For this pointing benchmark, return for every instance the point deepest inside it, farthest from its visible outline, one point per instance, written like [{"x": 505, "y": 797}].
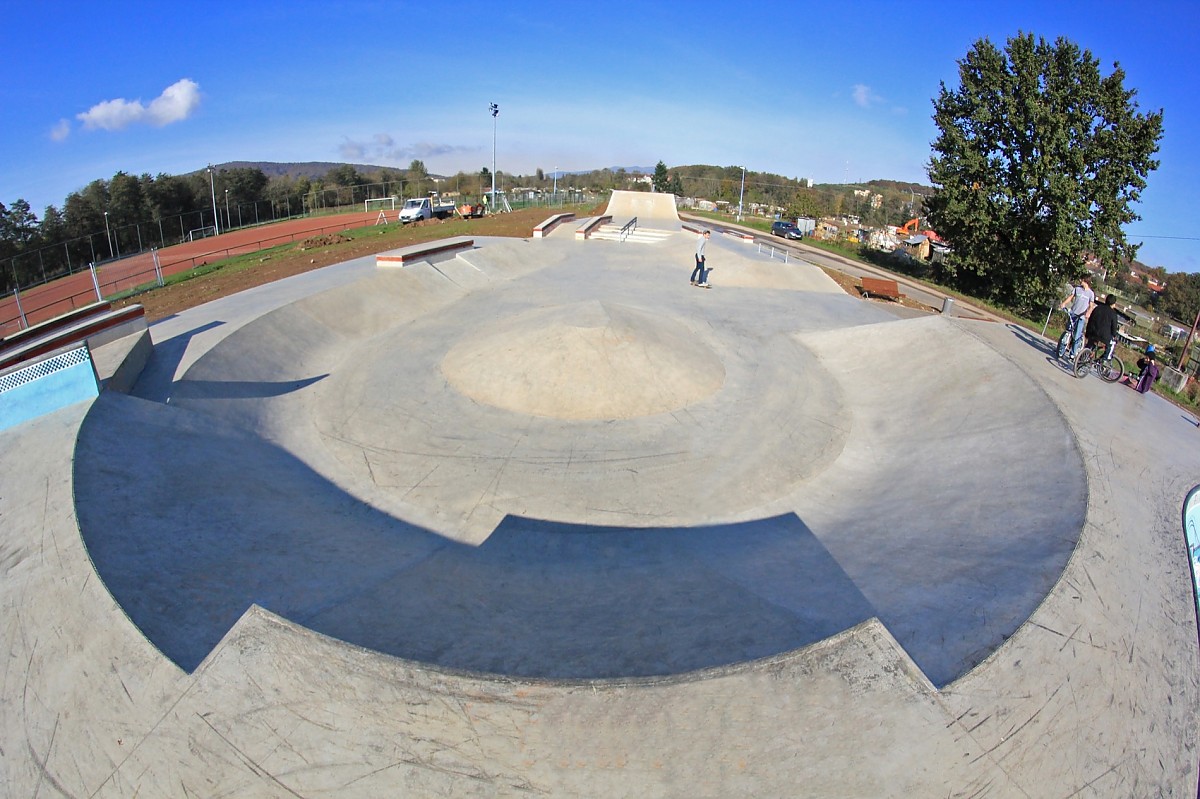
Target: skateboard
[{"x": 1191, "y": 539}]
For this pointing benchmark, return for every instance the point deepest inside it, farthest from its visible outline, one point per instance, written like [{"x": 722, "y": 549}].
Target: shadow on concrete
[
  {"x": 1033, "y": 340},
  {"x": 187, "y": 545},
  {"x": 155, "y": 381},
  {"x": 240, "y": 389}
]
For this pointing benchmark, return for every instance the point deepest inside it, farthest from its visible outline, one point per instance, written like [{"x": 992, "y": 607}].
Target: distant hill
[{"x": 318, "y": 169}]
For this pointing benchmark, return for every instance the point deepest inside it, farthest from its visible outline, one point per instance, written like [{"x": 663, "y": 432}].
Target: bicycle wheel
[
  {"x": 1112, "y": 370},
  {"x": 1085, "y": 361},
  {"x": 1064, "y": 344}
]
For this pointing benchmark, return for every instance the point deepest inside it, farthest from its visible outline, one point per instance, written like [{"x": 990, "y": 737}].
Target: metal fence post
[
  {"x": 157, "y": 266},
  {"x": 20, "y": 310},
  {"x": 96, "y": 282}
]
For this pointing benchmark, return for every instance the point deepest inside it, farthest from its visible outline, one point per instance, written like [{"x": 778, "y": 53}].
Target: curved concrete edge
[
  {"x": 944, "y": 435},
  {"x": 1110, "y": 653},
  {"x": 80, "y": 686}
]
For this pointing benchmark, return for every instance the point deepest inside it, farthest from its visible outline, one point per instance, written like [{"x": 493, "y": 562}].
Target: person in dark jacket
[
  {"x": 1102, "y": 326},
  {"x": 1149, "y": 372}
]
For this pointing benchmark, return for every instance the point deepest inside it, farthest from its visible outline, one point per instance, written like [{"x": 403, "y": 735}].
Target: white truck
[{"x": 425, "y": 208}]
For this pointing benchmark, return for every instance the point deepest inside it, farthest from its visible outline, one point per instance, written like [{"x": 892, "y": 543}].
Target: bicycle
[
  {"x": 1066, "y": 342},
  {"x": 1110, "y": 368}
]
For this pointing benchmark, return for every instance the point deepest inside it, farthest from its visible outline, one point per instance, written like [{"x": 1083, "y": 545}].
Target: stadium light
[
  {"x": 213, "y": 189},
  {"x": 741, "y": 194},
  {"x": 495, "y": 113},
  {"x": 108, "y": 236}
]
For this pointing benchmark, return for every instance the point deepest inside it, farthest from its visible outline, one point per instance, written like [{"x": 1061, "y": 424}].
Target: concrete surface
[{"x": 866, "y": 556}]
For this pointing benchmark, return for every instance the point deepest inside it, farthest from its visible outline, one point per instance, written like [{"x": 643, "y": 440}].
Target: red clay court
[{"x": 64, "y": 294}]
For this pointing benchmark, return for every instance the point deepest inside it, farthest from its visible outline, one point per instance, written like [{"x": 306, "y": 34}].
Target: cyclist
[
  {"x": 1081, "y": 299},
  {"x": 1102, "y": 327}
]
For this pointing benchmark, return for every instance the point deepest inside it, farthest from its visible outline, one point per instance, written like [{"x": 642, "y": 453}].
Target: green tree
[
  {"x": 806, "y": 202},
  {"x": 660, "y": 179},
  {"x": 417, "y": 176},
  {"x": 1181, "y": 298},
  {"x": 1038, "y": 160}
]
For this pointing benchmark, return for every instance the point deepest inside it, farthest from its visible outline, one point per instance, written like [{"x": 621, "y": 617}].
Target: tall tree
[
  {"x": 1038, "y": 160},
  {"x": 417, "y": 176},
  {"x": 660, "y": 179},
  {"x": 1181, "y": 298}
]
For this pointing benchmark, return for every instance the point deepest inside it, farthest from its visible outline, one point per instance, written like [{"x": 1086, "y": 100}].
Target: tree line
[{"x": 125, "y": 214}]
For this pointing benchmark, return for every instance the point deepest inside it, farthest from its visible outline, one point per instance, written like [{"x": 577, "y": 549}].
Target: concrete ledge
[
  {"x": 443, "y": 248},
  {"x": 119, "y": 363},
  {"x": 694, "y": 228},
  {"x": 542, "y": 230},
  {"x": 745, "y": 238},
  {"x": 96, "y": 329},
  {"x": 591, "y": 227},
  {"x": 57, "y": 323}
]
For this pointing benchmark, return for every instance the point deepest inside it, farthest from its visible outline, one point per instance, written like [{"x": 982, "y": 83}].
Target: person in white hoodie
[{"x": 700, "y": 273}]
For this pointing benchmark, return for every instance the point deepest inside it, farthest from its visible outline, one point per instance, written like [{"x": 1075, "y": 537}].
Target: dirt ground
[
  {"x": 853, "y": 286},
  {"x": 320, "y": 251}
]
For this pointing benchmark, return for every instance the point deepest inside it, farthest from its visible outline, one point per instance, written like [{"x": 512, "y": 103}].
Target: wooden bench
[{"x": 879, "y": 287}]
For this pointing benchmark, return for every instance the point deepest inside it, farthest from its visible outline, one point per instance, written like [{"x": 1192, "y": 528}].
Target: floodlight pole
[
  {"x": 108, "y": 236},
  {"x": 495, "y": 113},
  {"x": 741, "y": 194},
  {"x": 213, "y": 189}
]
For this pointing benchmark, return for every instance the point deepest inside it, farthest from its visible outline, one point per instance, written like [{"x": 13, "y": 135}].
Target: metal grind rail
[{"x": 628, "y": 228}]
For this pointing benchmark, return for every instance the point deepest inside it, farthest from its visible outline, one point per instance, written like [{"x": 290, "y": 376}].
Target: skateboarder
[{"x": 700, "y": 273}]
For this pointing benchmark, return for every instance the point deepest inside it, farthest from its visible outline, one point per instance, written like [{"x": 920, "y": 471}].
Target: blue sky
[{"x": 832, "y": 92}]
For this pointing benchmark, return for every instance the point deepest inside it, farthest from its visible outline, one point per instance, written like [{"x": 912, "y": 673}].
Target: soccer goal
[
  {"x": 381, "y": 201},
  {"x": 202, "y": 233}
]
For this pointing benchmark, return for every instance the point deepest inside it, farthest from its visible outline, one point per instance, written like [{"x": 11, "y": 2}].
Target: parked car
[{"x": 787, "y": 230}]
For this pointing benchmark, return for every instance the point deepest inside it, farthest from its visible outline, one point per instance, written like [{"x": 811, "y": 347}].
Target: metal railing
[
  {"x": 627, "y": 228},
  {"x": 770, "y": 251}
]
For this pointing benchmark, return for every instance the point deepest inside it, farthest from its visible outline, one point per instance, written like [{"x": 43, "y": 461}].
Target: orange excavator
[{"x": 911, "y": 228}]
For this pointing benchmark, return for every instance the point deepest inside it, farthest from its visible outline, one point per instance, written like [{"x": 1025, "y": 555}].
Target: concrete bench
[
  {"x": 96, "y": 329},
  {"x": 880, "y": 287},
  {"x": 443, "y": 248},
  {"x": 543, "y": 230},
  {"x": 59, "y": 322},
  {"x": 591, "y": 227}
]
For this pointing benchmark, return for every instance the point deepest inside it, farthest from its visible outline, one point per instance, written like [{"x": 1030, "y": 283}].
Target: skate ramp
[
  {"x": 653, "y": 209},
  {"x": 589, "y": 360},
  {"x": 547, "y": 462}
]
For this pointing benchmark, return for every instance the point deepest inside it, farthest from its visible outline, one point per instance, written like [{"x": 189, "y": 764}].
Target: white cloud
[
  {"x": 61, "y": 130},
  {"x": 864, "y": 96},
  {"x": 383, "y": 148},
  {"x": 177, "y": 102}
]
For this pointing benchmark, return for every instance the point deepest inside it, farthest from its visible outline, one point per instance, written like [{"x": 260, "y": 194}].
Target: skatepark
[{"x": 540, "y": 517}]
